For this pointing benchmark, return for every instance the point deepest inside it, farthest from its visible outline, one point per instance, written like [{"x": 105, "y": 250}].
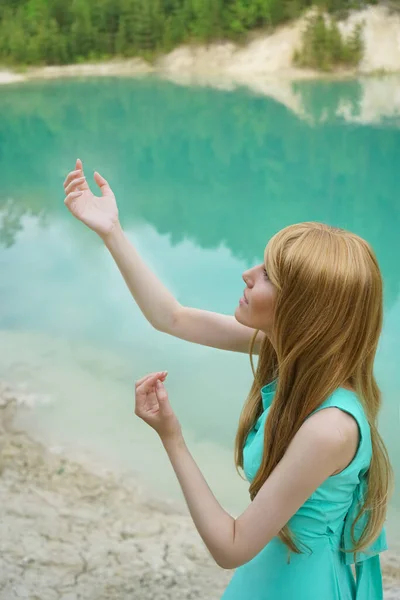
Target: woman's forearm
[
  {"x": 154, "y": 300},
  {"x": 214, "y": 524}
]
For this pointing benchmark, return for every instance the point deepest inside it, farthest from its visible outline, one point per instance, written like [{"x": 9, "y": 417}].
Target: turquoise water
[{"x": 203, "y": 178}]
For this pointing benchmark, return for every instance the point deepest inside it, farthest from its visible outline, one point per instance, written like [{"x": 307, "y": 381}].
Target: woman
[{"x": 307, "y": 439}]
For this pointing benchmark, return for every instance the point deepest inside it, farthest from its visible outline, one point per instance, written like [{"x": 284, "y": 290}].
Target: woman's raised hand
[{"x": 98, "y": 213}]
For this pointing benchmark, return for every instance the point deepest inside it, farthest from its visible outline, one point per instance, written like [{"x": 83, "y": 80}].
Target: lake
[{"x": 203, "y": 178}]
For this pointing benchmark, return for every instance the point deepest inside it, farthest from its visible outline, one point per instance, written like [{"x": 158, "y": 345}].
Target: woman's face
[{"x": 256, "y": 307}]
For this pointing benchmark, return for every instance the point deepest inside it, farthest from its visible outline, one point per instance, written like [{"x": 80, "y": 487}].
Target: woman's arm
[
  {"x": 324, "y": 443},
  {"x": 165, "y": 313},
  {"x": 157, "y": 304}
]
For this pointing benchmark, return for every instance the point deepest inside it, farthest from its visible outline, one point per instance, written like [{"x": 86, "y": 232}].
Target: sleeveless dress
[{"x": 322, "y": 524}]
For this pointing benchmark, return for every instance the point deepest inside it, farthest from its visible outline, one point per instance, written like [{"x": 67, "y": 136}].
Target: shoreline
[
  {"x": 137, "y": 67},
  {"x": 115, "y": 67},
  {"x": 69, "y": 532},
  {"x": 265, "y": 58}
]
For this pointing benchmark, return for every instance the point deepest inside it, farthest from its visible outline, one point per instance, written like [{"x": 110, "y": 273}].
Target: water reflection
[
  {"x": 203, "y": 179},
  {"x": 210, "y": 166}
]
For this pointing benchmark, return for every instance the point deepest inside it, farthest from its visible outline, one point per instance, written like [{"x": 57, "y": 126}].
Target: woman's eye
[{"x": 265, "y": 273}]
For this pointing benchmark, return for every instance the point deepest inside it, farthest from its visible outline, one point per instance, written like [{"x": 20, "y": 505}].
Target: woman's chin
[{"x": 239, "y": 315}]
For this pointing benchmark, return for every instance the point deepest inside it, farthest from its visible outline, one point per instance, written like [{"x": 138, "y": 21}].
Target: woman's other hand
[
  {"x": 152, "y": 405},
  {"x": 98, "y": 213}
]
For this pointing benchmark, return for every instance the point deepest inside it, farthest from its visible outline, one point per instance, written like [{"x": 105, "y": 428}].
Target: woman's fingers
[
  {"x": 161, "y": 374},
  {"x": 102, "y": 183},
  {"x": 72, "y": 196},
  {"x": 162, "y": 397},
  {"x": 78, "y": 172},
  {"x": 148, "y": 384},
  {"x": 140, "y": 381},
  {"x": 74, "y": 184},
  {"x": 72, "y": 176}
]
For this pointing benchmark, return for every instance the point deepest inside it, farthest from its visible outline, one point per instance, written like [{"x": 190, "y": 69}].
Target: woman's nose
[{"x": 246, "y": 278}]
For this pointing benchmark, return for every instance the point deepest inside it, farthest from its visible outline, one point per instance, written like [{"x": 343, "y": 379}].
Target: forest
[{"x": 40, "y": 32}]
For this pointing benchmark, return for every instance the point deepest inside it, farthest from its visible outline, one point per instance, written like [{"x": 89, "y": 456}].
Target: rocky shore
[{"x": 68, "y": 532}]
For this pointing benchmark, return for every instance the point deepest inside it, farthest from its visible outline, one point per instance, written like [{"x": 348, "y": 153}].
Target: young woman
[{"x": 307, "y": 439}]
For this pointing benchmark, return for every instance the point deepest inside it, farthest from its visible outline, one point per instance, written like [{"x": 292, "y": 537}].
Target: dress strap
[{"x": 367, "y": 563}]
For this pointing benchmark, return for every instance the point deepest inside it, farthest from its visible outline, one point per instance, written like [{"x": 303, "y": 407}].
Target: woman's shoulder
[{"x": 348, "y": 413}]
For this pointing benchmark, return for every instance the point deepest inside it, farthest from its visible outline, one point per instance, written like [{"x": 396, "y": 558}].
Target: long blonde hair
[{"x": 326, "y": 327}]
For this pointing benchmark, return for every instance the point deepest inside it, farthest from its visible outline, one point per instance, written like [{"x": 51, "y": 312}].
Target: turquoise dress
[{"x": 323, "y": 523}]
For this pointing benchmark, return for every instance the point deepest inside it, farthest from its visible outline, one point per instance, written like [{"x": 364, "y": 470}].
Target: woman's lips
[{"x": 243, "y": 299}]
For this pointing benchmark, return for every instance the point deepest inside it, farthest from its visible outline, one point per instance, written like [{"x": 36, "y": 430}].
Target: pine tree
[
  {"x": 17, "y": 42},
  {"x": 207, "y": 19},
  {"x": 82, "y": 34},
  {"x": 105, "y": 22},
  {"x": 125, "y": 40},
  {"x": 143, "y": 26}
]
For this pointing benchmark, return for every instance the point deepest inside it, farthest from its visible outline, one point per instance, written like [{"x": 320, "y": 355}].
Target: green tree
[
  {"x": 17, "y": 48},
  {"x": 48, "y": 45},
  {"x": 323, "y": 46},
  {"x": 60, "y": 31},
  {"x": 125, "y": 39},
  {"x": 81, "y": 36},
  {"x": 207, "y": 19},
  {"x": 105, "y": 22},
  {"x": 144, "y": 34}
]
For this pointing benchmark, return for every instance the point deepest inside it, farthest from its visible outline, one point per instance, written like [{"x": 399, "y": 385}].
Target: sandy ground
[
  {"x": 67, "y": 533},
  {"x": 272, "y": 55},
  {"x": 70, "y": 533},
  {"x": 130, "y": 67}
]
